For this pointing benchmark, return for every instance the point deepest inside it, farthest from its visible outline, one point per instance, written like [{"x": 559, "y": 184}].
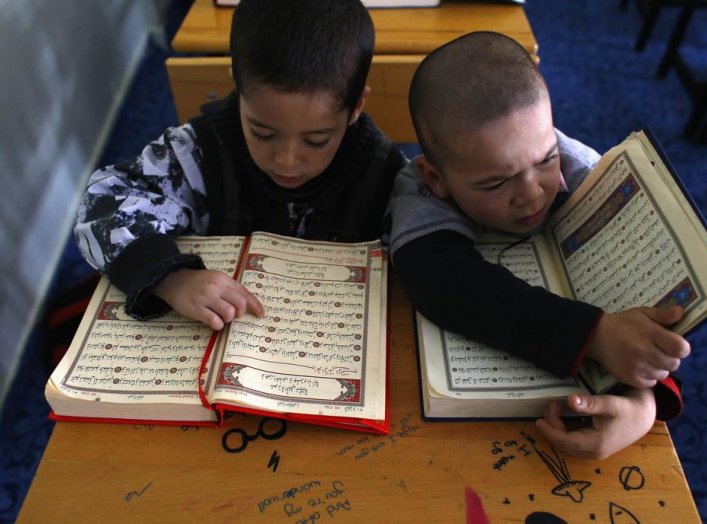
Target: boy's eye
[
  {"x": 317, "y": 144},
  {"x": 549, "y": 160},
  {"x": 498, "y": 185},
  {"x": 260, "y": 136}
]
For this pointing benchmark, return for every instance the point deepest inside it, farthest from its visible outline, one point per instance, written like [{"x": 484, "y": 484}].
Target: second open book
[
  {"x": 629, "y": 236},
  {"x": 319, "y": 355}
]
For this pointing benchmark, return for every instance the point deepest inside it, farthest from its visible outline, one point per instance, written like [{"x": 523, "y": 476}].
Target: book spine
[{"x": 215, "y": 334}]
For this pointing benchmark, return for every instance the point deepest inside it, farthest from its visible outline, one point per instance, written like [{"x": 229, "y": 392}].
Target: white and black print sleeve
[{"x": 161, "y": 192}]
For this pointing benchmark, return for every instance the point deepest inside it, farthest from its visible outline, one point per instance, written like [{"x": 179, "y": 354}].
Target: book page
[
  {"x": 318, "y": 350},
  {"x": 626, "y": 239},
  {"x": 115, "y": 358},
  {"x": 466, "y": 369}
]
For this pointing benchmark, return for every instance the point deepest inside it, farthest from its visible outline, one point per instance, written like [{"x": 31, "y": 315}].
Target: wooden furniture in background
[
  {"x": 262, "y": 470},
  {"x": 403, "y": 38},
  {"x": 694, "y": 83},
  {"x": 195, "y": 81}
]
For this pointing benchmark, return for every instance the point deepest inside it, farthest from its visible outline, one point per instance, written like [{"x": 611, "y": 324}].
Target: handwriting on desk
[
  {"x": 366, "y": 446},
  {"x": 504, "y": 451},
  {"x": 308, "y": 503}
]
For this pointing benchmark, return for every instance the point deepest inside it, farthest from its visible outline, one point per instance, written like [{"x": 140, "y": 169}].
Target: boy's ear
[
  {"x": 433, "y": 178},
  {"x": 359, "y": 105}
]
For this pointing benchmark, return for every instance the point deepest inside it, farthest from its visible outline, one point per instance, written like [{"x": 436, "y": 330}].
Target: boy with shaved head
[{"x": 493, "y": 161}]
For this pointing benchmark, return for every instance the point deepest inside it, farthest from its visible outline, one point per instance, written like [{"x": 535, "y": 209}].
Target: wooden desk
[
  {"x": 403, "y": 38},
  {"x": 421, "y": 472}
]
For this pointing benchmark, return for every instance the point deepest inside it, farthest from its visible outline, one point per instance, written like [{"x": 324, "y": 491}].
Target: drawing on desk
[
  {"x": 574, "y": 489},
  {"x": 631, "y": 477},
  {"x": 274, "y": 461},
  {"x": 620, "y": 515},
  {"x": 245, "y": 438},
  {"x": 542, "y": 517}
]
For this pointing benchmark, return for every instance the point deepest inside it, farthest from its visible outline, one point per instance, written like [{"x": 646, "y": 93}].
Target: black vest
[{"x": 348, "y": 199}]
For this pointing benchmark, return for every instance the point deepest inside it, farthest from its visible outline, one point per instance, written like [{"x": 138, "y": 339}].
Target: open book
[
  {"x": 628, "y": 236},
  {"x": 319, "y": 355}
]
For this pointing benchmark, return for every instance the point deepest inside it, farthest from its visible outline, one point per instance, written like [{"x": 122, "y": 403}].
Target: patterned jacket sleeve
[{"x": 131, "y": 212}]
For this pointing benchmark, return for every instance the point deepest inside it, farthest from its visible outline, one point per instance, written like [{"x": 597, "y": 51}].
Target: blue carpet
[{"x": 601, "y": 91}]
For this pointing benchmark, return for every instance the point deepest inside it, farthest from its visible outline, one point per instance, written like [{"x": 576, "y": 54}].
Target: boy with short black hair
[
  {"x": 289, "y": 152},
  {"x": 492, "y": 160}
]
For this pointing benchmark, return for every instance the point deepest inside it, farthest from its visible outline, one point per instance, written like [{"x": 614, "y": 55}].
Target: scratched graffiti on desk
[{"x": 308, "y": 503}]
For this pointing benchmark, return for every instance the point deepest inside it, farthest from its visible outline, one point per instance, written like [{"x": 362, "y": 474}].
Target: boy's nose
[
  {"x": 527, "y": 190},
  {"x": 286, "y": 155}
]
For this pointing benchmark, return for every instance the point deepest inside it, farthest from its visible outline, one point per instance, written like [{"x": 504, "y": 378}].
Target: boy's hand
[
  {"x": 617, "y": 422},
  {"x": 636, "y": 348},
  {"x": 211, "y": 297}
]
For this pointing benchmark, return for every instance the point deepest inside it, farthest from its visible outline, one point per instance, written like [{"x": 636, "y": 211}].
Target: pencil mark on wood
[
  {"x": 139, "y": 493},
  {"x": 402, "y": 485}
]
